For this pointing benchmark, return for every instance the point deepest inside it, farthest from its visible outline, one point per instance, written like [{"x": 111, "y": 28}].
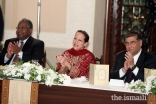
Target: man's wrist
[
  {"x": 19, "y": 53},
  {"x": 124, "y": 70},
  {"x": 133, "y": 67},
  {"x": 7, "y": 55}
]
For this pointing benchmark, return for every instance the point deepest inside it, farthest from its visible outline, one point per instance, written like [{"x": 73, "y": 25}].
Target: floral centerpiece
[
  {"x": 149, "y": 86},
  {"x": 137, "y": 86},
  {"x": 34, "y": 72}
]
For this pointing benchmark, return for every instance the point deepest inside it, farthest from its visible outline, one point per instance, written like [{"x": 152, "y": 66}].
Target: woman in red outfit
[{"x": 75, "y": 62}]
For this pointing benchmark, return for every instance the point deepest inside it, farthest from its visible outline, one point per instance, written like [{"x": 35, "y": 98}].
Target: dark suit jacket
[
  {"x": 32, "y": 49},
  {"x": 145, "y": 60}
]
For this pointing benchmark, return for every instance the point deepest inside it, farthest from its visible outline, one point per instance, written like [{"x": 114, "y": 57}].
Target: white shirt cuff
[
  {"x": 5, "y": 58},
  {"x": 20, "y": 54},
  {"x": 135, "y": 71},
  {"x": 121, "y": 73}
]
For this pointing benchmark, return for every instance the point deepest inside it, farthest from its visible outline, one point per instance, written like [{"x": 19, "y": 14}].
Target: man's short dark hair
[
  {"x": 30, "y": 25},
  {"x": 130, "y": 34}
]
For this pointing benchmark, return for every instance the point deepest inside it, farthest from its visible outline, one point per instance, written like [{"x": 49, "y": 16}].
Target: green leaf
[{"x": 153, "y": 90}]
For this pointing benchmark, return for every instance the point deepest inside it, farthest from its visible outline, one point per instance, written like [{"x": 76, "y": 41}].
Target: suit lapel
[
  {"x": 15, "y": 40},
  {"x": 140, "y": 59},
  {"x": 27, "y": 44}
]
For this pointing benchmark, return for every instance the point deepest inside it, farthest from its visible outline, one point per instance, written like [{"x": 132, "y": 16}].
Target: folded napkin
[{"x": 79, "y": 80}]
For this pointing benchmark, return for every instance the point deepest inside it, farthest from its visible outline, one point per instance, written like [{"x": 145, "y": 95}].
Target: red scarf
[{"x": 79, "y": 52}]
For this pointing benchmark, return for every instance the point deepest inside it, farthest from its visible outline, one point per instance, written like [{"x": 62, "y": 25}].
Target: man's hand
[
  {"x": 9, "y": 50},
  {"x": 125, "y": 68},
  {"x": 15, "y": 48},
  {"x": 130, "y": 60}
]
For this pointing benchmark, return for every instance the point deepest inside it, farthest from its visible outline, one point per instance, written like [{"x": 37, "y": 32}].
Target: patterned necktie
[
  {"x": 129, "y": 75},
  {"x": 16, "y": 58}
]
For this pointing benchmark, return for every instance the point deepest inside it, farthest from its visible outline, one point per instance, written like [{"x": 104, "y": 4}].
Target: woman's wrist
[
  {"x": 68, "y": 66},
  {"x": 61, "y": 70}
]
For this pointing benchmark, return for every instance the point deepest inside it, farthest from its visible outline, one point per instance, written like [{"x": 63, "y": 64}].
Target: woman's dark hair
[
  {"x": 130, "y": 34},
  {"x": 30, "y": 25},
  {"x": 85, "y": 34}
]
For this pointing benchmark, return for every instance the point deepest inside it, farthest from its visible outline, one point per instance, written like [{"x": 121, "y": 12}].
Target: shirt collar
[
  {"x": 24, "y": 40},
  {"x": 137, "y": 56}
]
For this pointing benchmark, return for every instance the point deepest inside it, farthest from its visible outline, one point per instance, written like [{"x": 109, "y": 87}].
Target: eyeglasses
[
  {"x": 22, "y": 28},
  {"x": 130, "y": 43}
]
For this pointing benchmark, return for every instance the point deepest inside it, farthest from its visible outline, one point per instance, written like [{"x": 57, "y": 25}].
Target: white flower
[
  {"x": 26, "y": 76},
  {"x": 64, "y": 78},
  {"x": 150, "y": 78},
  {"x": 19, "y": 74},
  {"x": 27, "y": 64},
  {"x": 49, "y": 81},
  {"x": 38, "y": 78},
  {"x": 13, "y": 72}
]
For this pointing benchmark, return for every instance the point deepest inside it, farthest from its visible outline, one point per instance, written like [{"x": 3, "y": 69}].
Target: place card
[{"x": 116, "y": 82}]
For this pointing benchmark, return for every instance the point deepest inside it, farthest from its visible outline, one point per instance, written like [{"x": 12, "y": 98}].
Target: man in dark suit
[
  {"x": 129, "y": 65},
  {"x": 23, "y": 47}
]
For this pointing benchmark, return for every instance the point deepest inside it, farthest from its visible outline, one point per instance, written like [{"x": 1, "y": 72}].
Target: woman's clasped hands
[{"x": 63, "y": 60}]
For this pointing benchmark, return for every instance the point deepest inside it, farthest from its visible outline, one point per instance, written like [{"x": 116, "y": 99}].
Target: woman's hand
[{"x": 62, "y": 60}]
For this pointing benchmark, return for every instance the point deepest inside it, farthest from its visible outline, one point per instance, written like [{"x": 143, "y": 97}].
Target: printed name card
[
  {"x": 116, "y": 82},
  {"x": 99, "y": 74}
]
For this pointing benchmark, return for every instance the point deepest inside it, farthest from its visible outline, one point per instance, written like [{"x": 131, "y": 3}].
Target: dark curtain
[{"x": 1, "y": 24}]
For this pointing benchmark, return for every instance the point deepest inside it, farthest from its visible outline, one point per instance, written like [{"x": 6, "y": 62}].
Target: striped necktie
[
  {"x": 129, "y": 76},
  {"x": 16, "y": 58}
]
